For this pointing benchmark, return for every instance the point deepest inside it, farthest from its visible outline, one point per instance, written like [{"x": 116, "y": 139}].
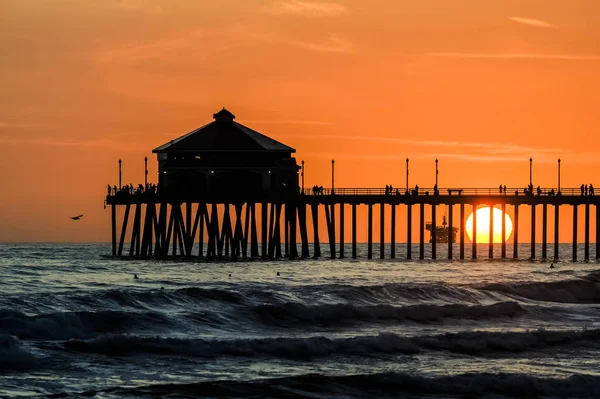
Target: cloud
[
  {"x": 306, "y": 8},
  {"x": 18, "y": 125},
  {"x": 140, "y": 5},
  {"x": 469, "y": 151},
  {"x": 121, "y": 142},
  {"x": 519, "y": 56},
  {"x": 151, "y": 50},
  {"x": 334, "y": 44},
  {"x": 533, "y": 22},
  {"x": 290, "y": 122}
]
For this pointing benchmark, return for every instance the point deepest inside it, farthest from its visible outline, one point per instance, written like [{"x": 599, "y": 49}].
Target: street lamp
[
  {"x": 120, "y": 184},
  {"x": 145, "y": 172},
  {"x": 559, "y": 175},
  {"x": 530, "y": 172},
  {"x": 302, "y": 177},
  {"x": 436, "y": 173},
  {"x": 332, "y": 174},
  {"x": 407, "y": 174}
]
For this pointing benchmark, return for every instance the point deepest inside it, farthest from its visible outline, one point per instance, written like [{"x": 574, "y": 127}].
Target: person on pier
[
  {"x": 591, "y": 190},
  {"x": 582, "y": 189}
]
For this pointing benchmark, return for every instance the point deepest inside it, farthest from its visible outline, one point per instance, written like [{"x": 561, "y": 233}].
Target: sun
[{"x": 483, "y": 225}]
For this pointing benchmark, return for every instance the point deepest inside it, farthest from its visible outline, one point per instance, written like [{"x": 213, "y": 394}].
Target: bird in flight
[{"x": 76, "y": 217}]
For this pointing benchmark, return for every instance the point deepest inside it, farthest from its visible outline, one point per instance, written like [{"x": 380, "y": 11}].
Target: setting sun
[{"x": 483, "y": 225}]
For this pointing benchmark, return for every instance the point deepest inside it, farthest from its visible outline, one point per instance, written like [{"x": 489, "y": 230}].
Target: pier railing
[{"x": 446, "y": 191}]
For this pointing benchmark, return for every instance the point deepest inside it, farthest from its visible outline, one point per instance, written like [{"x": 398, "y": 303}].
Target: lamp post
[
  {"x": 120, "y": 184},
  {"x": 407, "y": 174},
  {"x": 436, "y": 173},
  {"x": 145, "y": 172},
  {"x": 302, "y": 177},
  {"x": 558, "y": 175},
  {"x": 332, "y": 174},
  {"x": 530, "y": 172}
]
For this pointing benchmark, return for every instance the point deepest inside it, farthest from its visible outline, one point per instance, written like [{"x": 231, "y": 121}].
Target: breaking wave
[{"x": 479, "y": 343}]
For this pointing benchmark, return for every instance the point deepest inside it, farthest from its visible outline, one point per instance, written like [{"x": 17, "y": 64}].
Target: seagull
[{"x": 76, "y": 217}]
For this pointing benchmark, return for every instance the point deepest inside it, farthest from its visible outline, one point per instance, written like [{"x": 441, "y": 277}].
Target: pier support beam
[
  {"x": 393, "y": 233},
  {"x": 264, "y": 209},
  {"x": 474, "y": 243},
  {"x": 342, "y": 255},
  {"x": 556, "y": 230},
  {"x": 574, "y": 233},
  {"x": 370, "y": 233},
  {"x": 422, "y": 233},
  {"x": 516, "y": 233},
  {"x": 409, "y": 231},
  {"x": 433, "y": 233},
  {"x": 315, "y": 218},
  {"x": 382, "y": 231},
  {"x": 586, "y": 251},
  {"x": 544, "y": 230},
  {"x": 113, "y": 211},
  {"x": 532, "y": 231},
  {"x": 491, "y": 235},
  {"x": 353, "y": 231},
  {"x": 450, "y": 231},
  {"x": 303, "y": 230},
  {"x": 503, "y": 249},
  {"x": 462, "y": 232}
]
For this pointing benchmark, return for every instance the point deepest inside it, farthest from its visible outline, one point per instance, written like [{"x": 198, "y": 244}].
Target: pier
[{"x": 237, "y": 194}]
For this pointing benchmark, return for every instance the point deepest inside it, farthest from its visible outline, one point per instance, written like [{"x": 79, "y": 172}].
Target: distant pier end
[{"x": 236, "y": 193}]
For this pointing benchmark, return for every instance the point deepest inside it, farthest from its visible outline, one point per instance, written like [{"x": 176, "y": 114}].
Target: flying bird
[{"x": 76, "y": 217}]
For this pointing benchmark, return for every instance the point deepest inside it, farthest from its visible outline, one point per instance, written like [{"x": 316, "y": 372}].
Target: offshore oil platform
[{"x": 442, "y": 233}]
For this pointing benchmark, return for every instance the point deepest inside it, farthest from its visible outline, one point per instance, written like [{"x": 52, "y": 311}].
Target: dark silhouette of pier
[{"x": 221, "y": 184}]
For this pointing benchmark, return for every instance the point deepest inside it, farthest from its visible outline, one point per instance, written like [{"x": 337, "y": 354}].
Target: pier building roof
[{"x": 223, "y": 135}]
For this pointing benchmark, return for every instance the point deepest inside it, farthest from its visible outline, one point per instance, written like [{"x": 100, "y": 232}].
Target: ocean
[{"x": 74, "y": 322}]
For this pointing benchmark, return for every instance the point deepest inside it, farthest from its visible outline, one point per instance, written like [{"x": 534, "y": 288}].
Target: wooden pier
[
  {"x": 237, "y": 193},
  {"x": 163, "y": 227}
]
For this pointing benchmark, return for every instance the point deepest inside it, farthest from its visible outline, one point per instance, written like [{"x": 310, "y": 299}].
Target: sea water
[{"x": 74, "y": 322}]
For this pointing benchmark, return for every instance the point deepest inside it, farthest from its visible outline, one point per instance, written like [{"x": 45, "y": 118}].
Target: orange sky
[{"x": 481, "y": 85}]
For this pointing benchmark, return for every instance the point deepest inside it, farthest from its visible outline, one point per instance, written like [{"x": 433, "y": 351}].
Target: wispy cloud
[
  {"x": 140, "y": 5},
  {"x": 519, "y": 56},
  {"x": 533, "y": 22},
  {"x": 125, "y": 142},
  {"x": 154, "y": 49},
  {"x": 290, "y": 122},
  {"x": 470, "y": 151},
  {"x": 306, "y": 8},
  {"x": 333, "y": 44},
  {"x": 18, "y": 125}
]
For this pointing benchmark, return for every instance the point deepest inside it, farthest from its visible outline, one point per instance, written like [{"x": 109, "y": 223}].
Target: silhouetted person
[
  {"x": 109, "y": 189},
  {"x": 539, "y": 190},
  {"x": 591, "y": 190},
  {"x": 505, "y": 189},
  {"x": 500, "y": 188},
  {"x": 416, "y": 189},
  {"x": 552, "y": 193},
  {"x": 397, "y": 192},
  {"x": 135, "y": 277},
  {"x": 435, "y": 190},
  {"x": 582, "y": 189},
  {"x": 115, "y": 189},
  {"x": 586, "y": 189}
]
